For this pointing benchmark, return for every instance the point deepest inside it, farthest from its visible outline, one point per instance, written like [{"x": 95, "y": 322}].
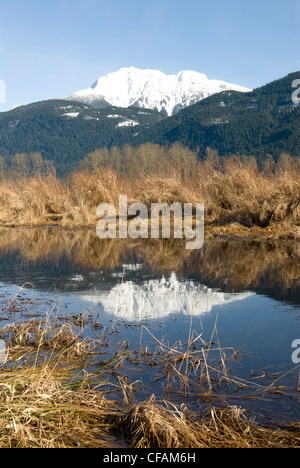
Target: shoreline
[{"x": 231, "y": 232}]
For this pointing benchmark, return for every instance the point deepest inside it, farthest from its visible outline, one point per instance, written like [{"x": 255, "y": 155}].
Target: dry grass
[
  {"x": 39, "y": 409},
  {"x": 48, "y": 201},
  {"x": 164, "y": 190},
  {"x": 48, "y": 400},
  {"x": 239, "y": 193},
  {"x": 152, "y": 425},
  {"x": 234, "y": 191}
]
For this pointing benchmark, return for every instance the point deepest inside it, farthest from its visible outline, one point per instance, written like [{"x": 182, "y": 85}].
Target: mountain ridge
[
  {"x": 258, "y": 123},
  {"x": 261, "y": 122},
  {"x": 152, "y": 89}
]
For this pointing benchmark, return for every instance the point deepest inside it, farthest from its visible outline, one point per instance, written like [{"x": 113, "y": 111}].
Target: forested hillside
[
  {"x": 265, "y": 121},
  {"x": 59, "y": 134},
  {"x": 63, "y": 132}
]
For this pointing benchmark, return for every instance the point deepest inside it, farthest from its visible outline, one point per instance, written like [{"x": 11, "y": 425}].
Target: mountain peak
[{"x": 152, "y": 89}]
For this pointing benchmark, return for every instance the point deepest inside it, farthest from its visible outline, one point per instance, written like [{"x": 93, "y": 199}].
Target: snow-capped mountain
[{"x": 152, "y": 89}]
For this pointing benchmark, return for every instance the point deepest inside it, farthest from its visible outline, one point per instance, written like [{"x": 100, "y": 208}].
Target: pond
[{"x": 234, "y": 305}]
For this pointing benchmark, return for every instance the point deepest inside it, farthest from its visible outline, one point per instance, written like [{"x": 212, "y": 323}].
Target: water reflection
[
  {"x": 227, "y": 284},
  {"x": 157, "y": 299},
  {"x": 267, "y": 268}
]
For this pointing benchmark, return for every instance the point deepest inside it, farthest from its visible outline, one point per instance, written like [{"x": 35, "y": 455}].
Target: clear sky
[{"x": 52, "y": 49}]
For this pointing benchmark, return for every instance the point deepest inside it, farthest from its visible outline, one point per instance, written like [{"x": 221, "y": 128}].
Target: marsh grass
[
  {"x": 204, "y": 371},
  {"x": 40, "y": 408},
  {"x": 46, "y": 400},
  {"x": 159, "y": 425},
  {"x": 49, "y": 397},
  {"x": 238, "y": 196}
]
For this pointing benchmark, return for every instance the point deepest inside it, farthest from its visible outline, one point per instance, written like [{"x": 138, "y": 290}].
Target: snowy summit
[{"x": 152, "y": 89}]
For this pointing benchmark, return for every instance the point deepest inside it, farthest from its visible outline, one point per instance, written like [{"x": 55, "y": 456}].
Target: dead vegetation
[
  {"x": 50, "y": 399},
  {"x": 40, "y": 409},
  {"x": 239, "y": 197},
  {"x": 153, "y": 425}
]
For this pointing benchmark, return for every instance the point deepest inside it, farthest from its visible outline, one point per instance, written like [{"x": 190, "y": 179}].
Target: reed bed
[
  {"x": 238, "y": 196},
  {"x": 45, "y": 398},
  {"x": 153, "y": 425},
  {"x": 40, "y": 408},
  {"x": 50, "y": 397}
]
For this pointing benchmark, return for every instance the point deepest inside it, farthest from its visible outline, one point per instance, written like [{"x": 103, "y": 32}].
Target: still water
[{"x": 242, "y": 296}]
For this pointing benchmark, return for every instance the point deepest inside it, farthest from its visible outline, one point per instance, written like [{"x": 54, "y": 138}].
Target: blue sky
[{"x": 52, "y": 49}]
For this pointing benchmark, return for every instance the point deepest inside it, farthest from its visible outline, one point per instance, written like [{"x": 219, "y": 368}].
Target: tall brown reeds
[
  {"x": 238, "y": 192},
  {"x": 235, "y": 192}
]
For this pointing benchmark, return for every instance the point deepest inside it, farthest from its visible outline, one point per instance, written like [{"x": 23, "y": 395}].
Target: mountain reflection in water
[
  {"x": 156, "y": 299},
  {"x": 76, "y": 261},
  {"x": 248, "y": 291}
]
